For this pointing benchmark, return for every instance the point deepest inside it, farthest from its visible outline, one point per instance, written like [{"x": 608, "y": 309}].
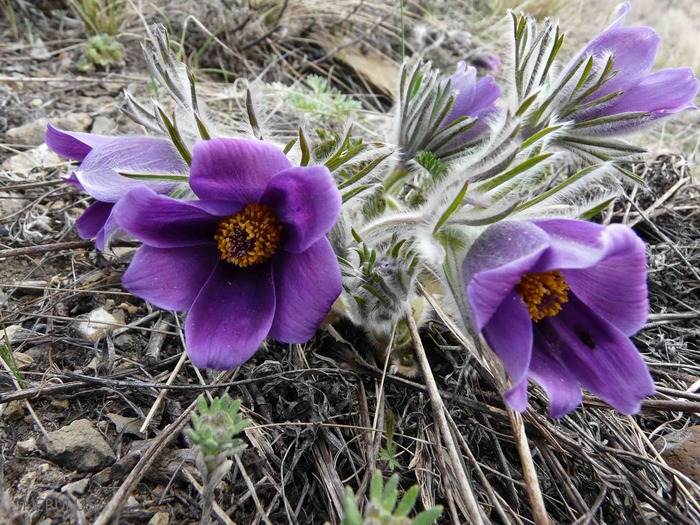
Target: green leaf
[
  {"x": 428, "y": 516},
  {"x": 587, "y": 215},
  {"x": 252, "y": 118},
  {"x": 375, "y": 489},
  {"x": 153, "y": 176},
  {"x": 520, "y": 168},
  {"x": 407, "y": 501},
  {"x": 304, "y": 147},
  {"x": 391, "y": 493}
]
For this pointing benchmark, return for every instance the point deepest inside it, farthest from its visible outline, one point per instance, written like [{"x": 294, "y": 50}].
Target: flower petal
[
  {"x": 605, "y": 266},
  {"x": 306, "y": 285},
  {"x": 509, "y": 334},
  {"x": 170, "y": 278},
  {"x": 574, "y": 244},
  {"x": 231, "y": 316},
  {"x": 234, "y": 169},
  {"x": 602, "y": 358},
  {"x": 163, "y": 222},
  {"x": 616, "y": 287},
  {"x": 662, "y": 93},
  {"x": 93, "y": 219},
  {"x": 634, "y": 49},
  {"x": 73, "y": 144},
  {"x": 307, "y": 202},
  {"x": 109, "y": 231},
  {"x": 496, "y": 262},
  {"x": 98, "y": 173},
  {"x": 487, "y": 92},
  {"x": 561, "y": 385}
]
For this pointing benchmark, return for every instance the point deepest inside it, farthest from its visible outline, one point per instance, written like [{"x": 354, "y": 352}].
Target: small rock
[
  {"x": 681, "y": 450},
  {"x": 38, "y": 50},
  {"x": 33, "y": 132},
  {"x": 160, "y": 518},
  {"x": 14, "y": 411},
  {"x": 15, "y": 334},
  {"x": 63, "y": 404},
  {"x": 77, "y": 487},
  {"x": 26, "y": 447},
  {"x": 36, "y": 102},
  {"x": 95, "y": 325},
  {"x": 103, "y": 126},
  {"x": 128, "y": 425},
  {"x": 22, "y": 360},
  {"x": 78, "y": 446},
  {"x": 40, "y": 157},
  {"x": 103, "y": 477}
]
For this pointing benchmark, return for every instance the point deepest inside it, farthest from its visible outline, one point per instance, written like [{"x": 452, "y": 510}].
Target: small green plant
[
  {"x": 214, "y": 432},
  {"x": 100, "y": 16},
  {"x": 382, "y": 508},
  {"x": 388, "y": 453},
  {"x": 316, "y": 98},
  {"x": 102, "y": 51}
]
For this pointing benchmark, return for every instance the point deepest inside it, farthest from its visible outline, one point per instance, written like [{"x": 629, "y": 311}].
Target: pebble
[
  {"x": 23, "y": 163},
  {"x": 681, "y": 451},
  {"x": 32, "y": 133},
  {"x": 78, "y": 446},
  {"x": 95, "y": 325},
  {"x": 26, "y": 447},
  {"x": 77, "y": 487},
  {"x": 160, "y": 518}
]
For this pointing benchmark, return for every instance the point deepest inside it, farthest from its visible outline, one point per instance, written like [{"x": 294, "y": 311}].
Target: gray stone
[
  {"x": 103, "y": 126},
  {"x": 160, "y": 518},
  {"x": 78, "y": 446},
  {"x": 23, "y": 163},
  {"x": 95, "y": 325},
  {"x": 33, "y": 132}
]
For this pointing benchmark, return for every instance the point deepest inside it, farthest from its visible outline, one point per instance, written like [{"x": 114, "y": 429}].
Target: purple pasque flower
[
  {"x": 249, "y": 260},
  {"x": 557, "y": 300},
  {"x": 101, "y": 158},
  {"x": 634, "y": 49},
  {"x": 473, "y": 99}
]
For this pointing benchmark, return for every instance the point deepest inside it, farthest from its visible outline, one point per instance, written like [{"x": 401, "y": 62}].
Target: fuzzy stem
[
  {"x": 438, "y": 408},
  {"x": 532, "y": 484}
]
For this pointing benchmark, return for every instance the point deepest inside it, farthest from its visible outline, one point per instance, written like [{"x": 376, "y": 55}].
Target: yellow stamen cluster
[
  {"x": 249, "y": 237},
  {"x": 543, "y": 293}
]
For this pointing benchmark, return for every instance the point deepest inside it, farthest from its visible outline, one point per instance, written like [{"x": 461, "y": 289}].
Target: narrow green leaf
[
  {"x": 391, "y": 493},
  {"x": 556, "y": 188},
  {"x": 520, "y": 168},
  {"x": 407, "y": 501},
  {"x": 454, "y": 205},
  {"x": 375, "y": 489},
  {"x": 589, "y": 214},
  {"x": 153, "y": 176},
  {"x": 252, "y": 119},
  {"x": 175, "y": 136},
  {"x": 540, "y": 134},
  {"x": 304, "y": 147},
  {"x": 428, "y": 516},
  {"x": 290, "y": 145},
  {"x": 364, "y": 171}
]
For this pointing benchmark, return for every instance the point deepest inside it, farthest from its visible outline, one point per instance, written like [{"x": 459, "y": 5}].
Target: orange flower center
[
  {"x": 543, "y": 293},
  {"x": 249, "y": 237}
]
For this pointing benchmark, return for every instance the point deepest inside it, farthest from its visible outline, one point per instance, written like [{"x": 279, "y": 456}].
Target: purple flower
[
  {"x": 487, "y": 62},
  {"x": 634, "y": 49},
  {"x": 557, "y": 301},
  {"x": 101, "y": 157},
  {"x": 249, "y": 260},
  {"x": 473, "y": 99}
]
